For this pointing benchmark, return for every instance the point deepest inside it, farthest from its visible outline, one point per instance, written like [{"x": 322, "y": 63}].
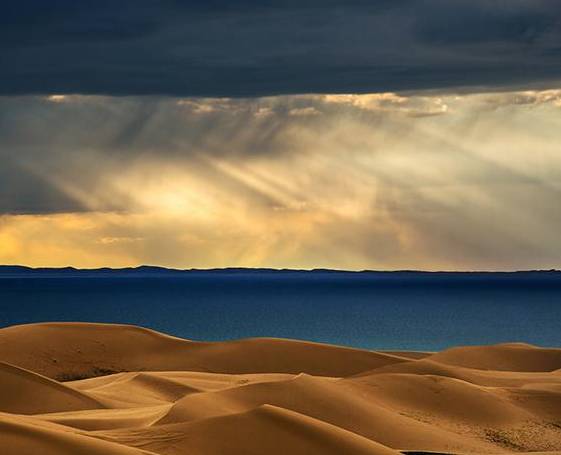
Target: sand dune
[
  {"x": 98, "y": 349},
  {"x": 502, "y": 357},
  {"x": 113, "y": 389},
  {"x": 41, "y": 394},
  {"x": 325, "y": 400},
  {"x": 432, "y": 395},
  {"x": 19, "y": 437},
  {"x": 265, "y": 429},
  {"x": 476, "y": 376}
]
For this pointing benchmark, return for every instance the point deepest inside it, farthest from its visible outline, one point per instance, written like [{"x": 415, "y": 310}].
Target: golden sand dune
[
  {"x": 114, "y": 389},
  {"x": 104, "y": 348},
  {"x": 20, "y": 437},
  {"x": 496, "y": 378},
  {"x": 41, "y": 394},
  {"x": 264, "y": 429},
  {"x": 502, "y": 357}
]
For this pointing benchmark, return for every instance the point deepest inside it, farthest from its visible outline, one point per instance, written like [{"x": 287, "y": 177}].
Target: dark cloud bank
[{"x": 254, "y": 48}]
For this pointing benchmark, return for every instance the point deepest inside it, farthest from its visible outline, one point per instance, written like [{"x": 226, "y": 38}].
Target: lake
[{"x": 400, "y": 310}]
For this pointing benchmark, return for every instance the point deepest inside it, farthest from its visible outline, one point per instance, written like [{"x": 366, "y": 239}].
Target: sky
[{"x": 402, "y": 134}]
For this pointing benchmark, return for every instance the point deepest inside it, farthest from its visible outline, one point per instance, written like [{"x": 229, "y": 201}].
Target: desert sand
[{"x": 76, "y": 388}]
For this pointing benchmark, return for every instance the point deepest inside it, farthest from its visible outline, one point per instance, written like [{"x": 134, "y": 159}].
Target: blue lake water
[{"x": 368, "y": 310}]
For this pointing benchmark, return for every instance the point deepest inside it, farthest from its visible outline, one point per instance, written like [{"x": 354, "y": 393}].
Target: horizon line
[{"x": 158, "y": 268}]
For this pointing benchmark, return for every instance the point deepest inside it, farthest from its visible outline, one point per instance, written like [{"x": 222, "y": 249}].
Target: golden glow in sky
[{"x": 381, "y": 181}]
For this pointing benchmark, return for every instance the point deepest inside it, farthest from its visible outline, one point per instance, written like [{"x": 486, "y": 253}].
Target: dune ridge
[
  {"x": 78, "y": 388},
  {"x": 99, "y": 349},
  {"x": 41, "y": 394}
]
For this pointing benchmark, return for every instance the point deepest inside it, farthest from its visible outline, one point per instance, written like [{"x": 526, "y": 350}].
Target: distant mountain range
[{"x": 147, "y": 270}]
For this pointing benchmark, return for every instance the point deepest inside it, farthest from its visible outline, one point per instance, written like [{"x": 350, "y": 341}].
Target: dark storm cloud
[{"x": 253, "y": 48}]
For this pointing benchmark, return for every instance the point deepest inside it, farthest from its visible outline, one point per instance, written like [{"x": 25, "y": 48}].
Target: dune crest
[
  {"x": 41, "y": 394},
  {"x": 77, "y": 388},
  {"x": 99, "y": 349}
]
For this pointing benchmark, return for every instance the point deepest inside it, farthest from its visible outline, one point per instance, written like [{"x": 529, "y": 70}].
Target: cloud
[
  {"x": 417, "y": 106},
  {"x": 303, "y": 111},
  {"x": 258, "y": 48},
  {"x": 66, "y": 153},
  {"x": 528, "y": 97},
  {"x": 371, "y": 181}
]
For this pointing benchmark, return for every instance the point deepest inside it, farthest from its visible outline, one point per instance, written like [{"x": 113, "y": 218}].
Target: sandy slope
[
  {"x": 104, "y": 348},
  {"x": 41, "y": 394},
  {"x": 21, "y": 437},
  {"x": 128, "y": 390}
]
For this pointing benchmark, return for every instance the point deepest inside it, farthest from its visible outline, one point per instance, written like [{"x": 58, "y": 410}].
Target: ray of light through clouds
[
  {"x": 312, "y": 133},
  {"x": 424, "y": 180}
]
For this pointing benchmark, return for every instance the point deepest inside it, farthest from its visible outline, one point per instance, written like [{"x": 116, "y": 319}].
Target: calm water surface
[{"x": 378, "y": 311}]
